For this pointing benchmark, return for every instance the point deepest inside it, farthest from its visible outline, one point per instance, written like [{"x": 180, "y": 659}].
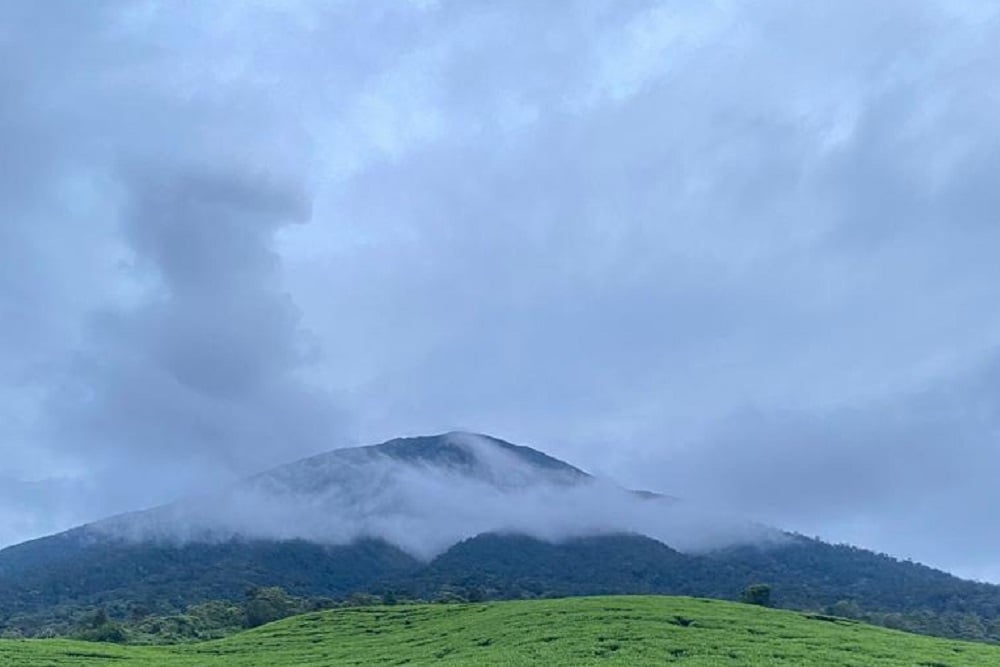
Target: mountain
[
  {"x": 423, "y": 495},
  {"x": 420, "y": 517}
]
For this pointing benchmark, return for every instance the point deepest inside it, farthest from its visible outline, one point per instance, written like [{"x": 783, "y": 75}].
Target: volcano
[{"x": 458, "y": 510}]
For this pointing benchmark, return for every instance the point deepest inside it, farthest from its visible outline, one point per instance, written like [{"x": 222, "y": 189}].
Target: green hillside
[{"x": 637, "y": 630}]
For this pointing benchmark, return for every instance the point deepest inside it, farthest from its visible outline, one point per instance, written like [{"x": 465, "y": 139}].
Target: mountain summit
[
  {"x": 462, "y": 449},
  {"x": 467, "y": 455}
]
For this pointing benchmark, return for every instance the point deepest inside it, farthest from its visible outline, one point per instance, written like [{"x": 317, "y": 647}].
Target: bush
[
  {"x": 109, "y": 632},
  {"x": 264, "y": 605}
]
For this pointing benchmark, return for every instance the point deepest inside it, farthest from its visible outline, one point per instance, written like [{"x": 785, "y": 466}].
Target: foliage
[
  {"x": 156, "y": 592},
  {"x": 640, "y": 630},
  {"x": 107, "y": 632},
  {"x": 758, "y": 594},
  {"x": 100, "y": 628},
  {"x": 264, "y": 605}
]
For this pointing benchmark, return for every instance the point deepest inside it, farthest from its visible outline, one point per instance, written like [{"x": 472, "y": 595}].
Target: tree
[
  {"x": 264, "y": 605},
  {"x": 845, "y": 609},
  {"x": 99, "y": 619},
  {"x": 758, "y": 594},
  {"x": 109, "y": 632},
  {"x": 100, "y": 628}
]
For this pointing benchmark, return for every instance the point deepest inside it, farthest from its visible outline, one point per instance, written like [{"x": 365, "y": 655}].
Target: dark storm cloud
[{"x": 670, "y": 242}]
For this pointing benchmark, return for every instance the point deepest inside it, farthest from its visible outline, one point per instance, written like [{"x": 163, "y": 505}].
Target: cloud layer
[
  {"x": 427, "y": 506},
  {"x": 740, "y": 252}
]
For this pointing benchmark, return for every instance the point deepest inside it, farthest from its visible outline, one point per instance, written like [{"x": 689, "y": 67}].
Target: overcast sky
[{"x": 743, "y": 252}]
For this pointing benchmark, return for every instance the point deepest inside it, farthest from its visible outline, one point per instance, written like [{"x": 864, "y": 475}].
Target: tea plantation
[{"x": 639, "y": 630}]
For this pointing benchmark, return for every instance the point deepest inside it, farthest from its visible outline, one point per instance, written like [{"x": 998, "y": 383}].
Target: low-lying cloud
[{"x": 426, "y": 507}]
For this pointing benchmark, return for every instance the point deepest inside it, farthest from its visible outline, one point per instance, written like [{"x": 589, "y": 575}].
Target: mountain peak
[
  {"x": 462, "y": 449},
  {"x": 422, "y": 494}
]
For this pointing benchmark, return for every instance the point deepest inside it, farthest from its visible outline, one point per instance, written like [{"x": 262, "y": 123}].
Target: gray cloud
[
  {"x": 152, "y": 348},
  {"x": 687, "y": 245},
  {"x": 425, "y": 507},
  {"x": 204, "y": 366},
  {"x": 925, "y": 459}
]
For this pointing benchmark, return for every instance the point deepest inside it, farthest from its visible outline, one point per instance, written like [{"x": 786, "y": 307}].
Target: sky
[{"x": 737, "y": 252}]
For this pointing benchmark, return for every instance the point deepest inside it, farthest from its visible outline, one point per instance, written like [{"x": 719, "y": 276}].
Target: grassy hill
[{"x": 638, "y": 630}]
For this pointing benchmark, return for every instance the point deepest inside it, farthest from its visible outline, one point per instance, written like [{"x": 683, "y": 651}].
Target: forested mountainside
[
  {"x": 138, "y": 564},
  {"x": 132, "y": 581}
]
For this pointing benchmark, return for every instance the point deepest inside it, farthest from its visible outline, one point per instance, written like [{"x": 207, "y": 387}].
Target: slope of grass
[{"x": 575, "y": 631}]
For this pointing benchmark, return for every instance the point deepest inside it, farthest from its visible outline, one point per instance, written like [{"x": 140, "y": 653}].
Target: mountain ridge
[
  {"x": 511, "y": 522},
  {"x": 423, "y": 494}
]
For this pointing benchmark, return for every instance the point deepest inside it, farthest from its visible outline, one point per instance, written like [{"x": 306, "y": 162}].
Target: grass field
[{"x": 574, "y": 631}]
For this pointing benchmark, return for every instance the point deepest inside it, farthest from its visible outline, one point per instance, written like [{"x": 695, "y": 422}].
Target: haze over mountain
[
  {"x": 457, "y": 514},
  {"x": 424, "y": 495}
]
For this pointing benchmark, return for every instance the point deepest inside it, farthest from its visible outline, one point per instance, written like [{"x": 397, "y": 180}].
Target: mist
[{"x": 425, "y": 508}]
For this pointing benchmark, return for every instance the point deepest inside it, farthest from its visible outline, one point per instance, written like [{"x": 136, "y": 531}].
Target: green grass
[{"x": 574, "y": 631}]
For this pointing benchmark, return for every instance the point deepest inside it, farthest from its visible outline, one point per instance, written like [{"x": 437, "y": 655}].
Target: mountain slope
[
  {"x": 168, "y": 577},
  {"x": 422, "y": 494},
  {"x": 456, "y": 512},
  {"x": 329, "y": 525}
]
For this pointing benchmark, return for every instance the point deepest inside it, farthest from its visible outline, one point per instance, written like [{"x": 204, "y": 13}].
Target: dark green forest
[{"x": 118, "y": 591}]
